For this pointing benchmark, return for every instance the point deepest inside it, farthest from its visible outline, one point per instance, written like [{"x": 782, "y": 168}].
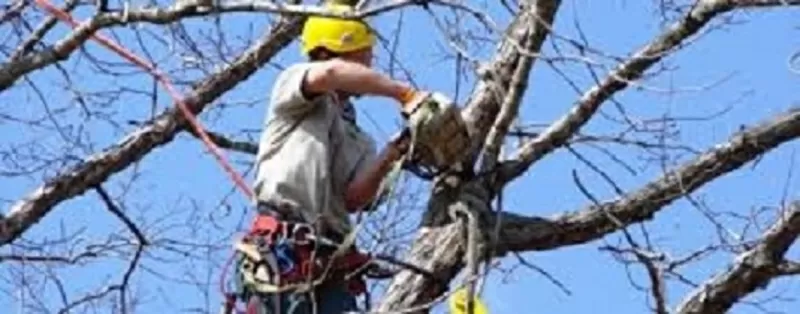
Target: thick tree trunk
[
  {"x": 440, "y": 244},
  {"x": 440, "y": 247}
]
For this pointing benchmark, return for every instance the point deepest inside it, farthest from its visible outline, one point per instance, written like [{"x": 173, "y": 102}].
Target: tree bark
[
  {"x": 439, "y": 246},
  {"x": 564, "y": 128},
  {"x": 527, "y": 233}
]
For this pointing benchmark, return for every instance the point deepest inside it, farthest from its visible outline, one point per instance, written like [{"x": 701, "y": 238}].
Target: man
[{"x": 314, "y": 163}]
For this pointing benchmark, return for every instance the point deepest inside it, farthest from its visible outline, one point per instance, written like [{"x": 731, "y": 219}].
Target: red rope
[{"x": 178, "y": 98}]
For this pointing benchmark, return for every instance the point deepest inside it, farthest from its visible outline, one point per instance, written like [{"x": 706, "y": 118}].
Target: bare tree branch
[
  {"x": 753, "y": 269},
  {"x": 509, "y": 110},
  {"x": 226, "y": 143},
  {"x": 439, "y": 249},
  {"x": 789, "y": 268},
  {"x": 12, "y": 10},
  {"x": 563, "y": 129},
  {"x": 534, "y": 233},
  {"x": 37, "y": 35},
  {"x": 141, "y": 243},
  {"x": 643, "y": 256},
  {"x": 48, "y": 259},
  {"x": 522, "y": 40},
  {"x": 121, "y": 215},
  {"x": 136, "y": 145},
  {"x": 11, "y": 71}
]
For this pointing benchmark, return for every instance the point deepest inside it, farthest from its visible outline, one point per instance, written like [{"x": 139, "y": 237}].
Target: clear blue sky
[{"x": 178, "y": 198}]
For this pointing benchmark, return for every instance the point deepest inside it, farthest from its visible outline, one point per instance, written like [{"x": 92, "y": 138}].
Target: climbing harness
[{"x": 278, "y": 256}]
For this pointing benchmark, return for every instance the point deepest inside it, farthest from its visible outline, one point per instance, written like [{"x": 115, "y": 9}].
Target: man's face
[{"x": 363, "y": 56}]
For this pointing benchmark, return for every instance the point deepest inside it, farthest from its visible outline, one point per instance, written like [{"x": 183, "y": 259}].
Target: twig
[
  {"x": 48, "y": 259},
  {"x": 119, "y": 214},
  {"x": 654, "y": 271},
  {"x": 37, "y": 35},
  {"x": 753, "y": 269},
  {"x": 674, "y": 36},
  {"x": 13, "y": 11},
  {"x": 508, "y": 111},
  {"x": 544, "y": 273},
  {"x": 789, "y": 268}
]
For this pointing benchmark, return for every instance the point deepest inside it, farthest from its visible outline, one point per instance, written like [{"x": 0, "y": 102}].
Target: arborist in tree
[{"x": 315, "y": 166}]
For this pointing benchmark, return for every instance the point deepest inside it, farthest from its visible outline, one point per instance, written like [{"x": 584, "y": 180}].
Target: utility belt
[{"x": 287, "y": 255}]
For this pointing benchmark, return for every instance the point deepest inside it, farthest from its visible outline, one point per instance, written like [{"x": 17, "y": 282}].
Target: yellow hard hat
[{"x": 335, "y": 34}]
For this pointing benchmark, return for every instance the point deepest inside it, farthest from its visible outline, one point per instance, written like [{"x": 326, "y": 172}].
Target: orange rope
[{"x": 176, "y": 96}]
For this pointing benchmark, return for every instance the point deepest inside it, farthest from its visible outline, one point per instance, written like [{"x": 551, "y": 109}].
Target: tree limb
[
  {"x": 226, "y": 143},
  {"x": 789, "y": 268},
  {"x": 48, "y": 258},
  {"x": 508, "y": 112},
  {"x": 440, "y": 249},
  {"x": 11, "y": 71},
  {"x": 523, "y": 39},
  {"x": 753, "y": 269},
  {"x": 114, "y": 209},
  {"x": 564, "y": 128},
  {"x": 159, "y": 131},
  {"x": 521, "y": 233},
  {"x": 13, "y": 10},
  {"x": 37, "y": 35}
]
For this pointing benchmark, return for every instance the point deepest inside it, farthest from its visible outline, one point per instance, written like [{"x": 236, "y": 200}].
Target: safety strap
[{"x": 262, "y": 247}]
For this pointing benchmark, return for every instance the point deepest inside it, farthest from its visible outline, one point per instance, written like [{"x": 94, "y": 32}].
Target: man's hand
[
  {"x": 365, "y": 187},
  {"x": 440, "y": 134},
  {"x": 400, "y": 143}
]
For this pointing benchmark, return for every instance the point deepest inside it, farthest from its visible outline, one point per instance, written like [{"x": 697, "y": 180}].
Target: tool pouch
[{"x": 271, "y": 260}]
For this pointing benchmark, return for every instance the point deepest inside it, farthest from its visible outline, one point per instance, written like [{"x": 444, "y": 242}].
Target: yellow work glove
[{"x": 439, "y": 136}]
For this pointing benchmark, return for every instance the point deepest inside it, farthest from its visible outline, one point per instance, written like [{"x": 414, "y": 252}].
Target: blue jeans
[{"x": 330, "y": 299}]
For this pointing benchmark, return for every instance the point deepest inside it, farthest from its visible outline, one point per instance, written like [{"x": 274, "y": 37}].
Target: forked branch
[
  {"x": 753, "y": 269},
  {"x": 564, "y": 128},
  {"x": 533, "y": 233}
]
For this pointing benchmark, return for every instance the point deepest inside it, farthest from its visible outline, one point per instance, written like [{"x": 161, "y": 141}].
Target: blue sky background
[{"x": 179, "y": 187}]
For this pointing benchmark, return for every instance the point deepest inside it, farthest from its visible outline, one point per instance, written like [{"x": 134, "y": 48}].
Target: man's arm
[
  {"x": 364, "y": 187},
  {"x": 335, "y": 74}
]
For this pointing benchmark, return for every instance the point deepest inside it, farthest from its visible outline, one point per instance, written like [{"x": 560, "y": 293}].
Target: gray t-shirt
[{"x": 310, "y": 150}]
